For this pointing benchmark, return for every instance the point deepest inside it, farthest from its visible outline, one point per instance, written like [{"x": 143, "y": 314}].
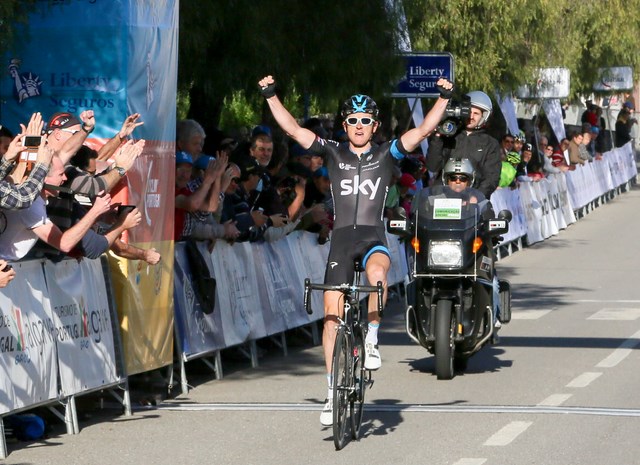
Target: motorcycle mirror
[
  {"x": 505, "y": 215},
  {"x": 401, "y": 213}
]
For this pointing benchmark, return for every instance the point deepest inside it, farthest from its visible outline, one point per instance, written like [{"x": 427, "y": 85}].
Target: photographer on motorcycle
[{"x": 473, "y": 143}]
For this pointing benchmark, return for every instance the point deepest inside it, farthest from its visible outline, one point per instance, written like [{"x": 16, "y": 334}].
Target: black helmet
[{"x": 359, "y": 103}]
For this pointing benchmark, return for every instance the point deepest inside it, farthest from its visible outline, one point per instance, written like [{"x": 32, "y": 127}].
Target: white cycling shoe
[
  {"x": 326, "y": 417},
  {"x": 372, "y": 360}
]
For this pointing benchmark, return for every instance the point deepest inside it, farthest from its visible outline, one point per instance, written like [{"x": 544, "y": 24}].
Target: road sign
[{"x": 422, "y": 71}]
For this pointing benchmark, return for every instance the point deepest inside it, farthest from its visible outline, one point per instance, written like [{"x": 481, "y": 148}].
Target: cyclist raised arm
[
  {"x": 285, "y": 120},
  {"x": 360, "y": 173}
]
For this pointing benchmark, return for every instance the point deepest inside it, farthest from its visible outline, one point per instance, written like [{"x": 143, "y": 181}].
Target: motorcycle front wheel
[{"x": 444, "y": 350}]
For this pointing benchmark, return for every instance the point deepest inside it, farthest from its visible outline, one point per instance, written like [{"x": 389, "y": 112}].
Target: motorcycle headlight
[{"x": 445, "y": 253}]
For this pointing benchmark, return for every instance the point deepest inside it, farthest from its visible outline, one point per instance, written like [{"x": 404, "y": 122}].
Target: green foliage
[
  {"x": 238, "y": 111},
  {"x": 499, "y": 45}
]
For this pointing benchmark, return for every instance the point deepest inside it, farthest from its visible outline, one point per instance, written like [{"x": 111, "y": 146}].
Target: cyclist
[{"x": 359, "y": 171}]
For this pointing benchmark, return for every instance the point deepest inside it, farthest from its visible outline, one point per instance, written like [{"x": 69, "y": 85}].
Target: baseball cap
[
  {"x": 527, "y": 147},
  {"x": 62, "y": 120},
  {"x": 183, "y": 157},
  {"x": 406, "y": 180},
  {"x": 203, "y": 161},
  {"x": 297, "y": 151},
  {"x": 261, "y": 129}
]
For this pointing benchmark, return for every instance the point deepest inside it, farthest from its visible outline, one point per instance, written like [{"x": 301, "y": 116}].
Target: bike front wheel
[{"x": 342, "y": 386}]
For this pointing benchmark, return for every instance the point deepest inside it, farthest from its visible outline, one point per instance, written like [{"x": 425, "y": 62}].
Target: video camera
[{"x": 456, "y": 115}]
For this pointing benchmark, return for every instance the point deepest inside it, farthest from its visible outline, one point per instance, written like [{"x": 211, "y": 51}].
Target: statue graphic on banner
[{"x": 26, "y": 84}]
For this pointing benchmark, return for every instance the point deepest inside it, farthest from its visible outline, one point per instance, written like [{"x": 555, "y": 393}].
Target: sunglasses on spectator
[
  {"x": 236, "y": 180},
  {"x": 458, "y": 177},
  {"x": 365, "y": 121},
  {"x": 510, "y": 141}
]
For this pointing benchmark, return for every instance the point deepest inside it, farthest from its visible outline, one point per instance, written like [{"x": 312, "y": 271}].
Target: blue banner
[{"x": 422, "y": 71}]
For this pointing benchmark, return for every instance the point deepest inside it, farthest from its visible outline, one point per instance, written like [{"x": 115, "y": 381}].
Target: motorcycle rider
[
  {"x": 472, "y": 143},
  {"x": 457, "y": 179}
]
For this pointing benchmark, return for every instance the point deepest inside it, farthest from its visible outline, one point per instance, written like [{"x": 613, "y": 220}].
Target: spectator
[
  {"x": 518, "y": 141},
  {"x": 509, "y": 170},
  {"x": 190, "y": 138},
  {"x": 575, "y": 140},
  {"x": 528, "y": 170},
  {"x": 82, "y": 167},
  {"x": 6, "y": 137},
  {"x": 23, "y": 194},
  {"x": 261, "y": 148},
  {"x": 623, "y": 127},
  {"x": 66, "y": 133},
  {"x": 393, "y": 195},
  {"x": 586, "y": 141},
  {"x": 252, "y": 223},
  {"x": 305, "y": 158},
  {"x": 506, "y": 145},
  {"x": 548, "y": 166},
  {"x": 406, "y": 184},
  {"x": 25, "y": 227}
]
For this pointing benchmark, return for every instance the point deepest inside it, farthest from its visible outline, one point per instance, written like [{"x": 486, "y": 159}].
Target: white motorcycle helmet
[
  {"x": 458, "y": 166},
  {"x": 482, "y": 101}
]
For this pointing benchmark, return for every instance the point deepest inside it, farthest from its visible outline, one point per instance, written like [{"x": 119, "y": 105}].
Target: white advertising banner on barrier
[
  {"x": 28, "y": 363},
  {"x": 509, "y": 199},
  {"x": 239, "y": 297},
  {"x": 309, "y": 261},
  {"x": 198, "y": 332},
  {"x": 82, "y": 325}
]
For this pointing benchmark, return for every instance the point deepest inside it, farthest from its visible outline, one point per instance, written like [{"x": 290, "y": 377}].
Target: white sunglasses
[{"x": 365, "y": 121}]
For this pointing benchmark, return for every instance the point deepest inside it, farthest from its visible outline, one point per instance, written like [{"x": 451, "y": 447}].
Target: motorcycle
[{"x": 450, "y": 296}]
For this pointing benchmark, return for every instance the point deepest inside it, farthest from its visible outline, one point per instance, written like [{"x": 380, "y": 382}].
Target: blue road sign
[{"x": 422, "y": 71}]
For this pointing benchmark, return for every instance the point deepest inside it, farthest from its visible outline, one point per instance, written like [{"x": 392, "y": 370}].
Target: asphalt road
[{"x": 561, "y": 387}]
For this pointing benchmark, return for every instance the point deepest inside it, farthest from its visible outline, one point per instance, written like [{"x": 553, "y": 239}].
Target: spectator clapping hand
[
  {"x": 128, "y": 154},
  {"x": 130, "y": 123},
  {"x": 101, "y": 205},
  {"x": 45, "y": 154}
]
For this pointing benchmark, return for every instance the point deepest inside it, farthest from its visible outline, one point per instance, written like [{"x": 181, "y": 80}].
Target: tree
[{"x": 328, "y": 50}]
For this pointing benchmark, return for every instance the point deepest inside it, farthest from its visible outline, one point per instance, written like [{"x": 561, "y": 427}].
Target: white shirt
[{"x": 16, "y": 229}]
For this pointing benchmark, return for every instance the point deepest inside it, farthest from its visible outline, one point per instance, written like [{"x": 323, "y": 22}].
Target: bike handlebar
[{"x": 344, "y": 288}]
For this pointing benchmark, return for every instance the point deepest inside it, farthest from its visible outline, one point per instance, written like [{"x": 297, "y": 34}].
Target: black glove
[
  {"x": 268, "y": 91},
  {"x": 445, "y": 93}
]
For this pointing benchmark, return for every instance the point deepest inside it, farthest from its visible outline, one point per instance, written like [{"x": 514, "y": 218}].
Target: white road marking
[
  {"x": 470, "y": 462},
  {"x": 554, "y": 400},
  {"x": 508, "y": 434},
  {"x": 529, "y": 314},
  {"x": 620, "y": 353},
  {"x": 616, "y": 314},
  {"x": 583, "y": 380},
  {"x": 413, "y": 408}
]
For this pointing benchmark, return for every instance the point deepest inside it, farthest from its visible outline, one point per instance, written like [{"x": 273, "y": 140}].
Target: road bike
[{"x": 350, "y": 378}]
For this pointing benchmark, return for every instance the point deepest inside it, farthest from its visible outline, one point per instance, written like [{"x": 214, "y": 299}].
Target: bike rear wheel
[
  {"x": 342, "y": 386},
  {"x": 359, "y": 375}
]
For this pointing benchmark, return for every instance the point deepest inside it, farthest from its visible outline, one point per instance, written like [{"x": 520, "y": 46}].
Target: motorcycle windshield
[
  {"x": 445, "y": 229},
  {"x": 435, "y": 213}
]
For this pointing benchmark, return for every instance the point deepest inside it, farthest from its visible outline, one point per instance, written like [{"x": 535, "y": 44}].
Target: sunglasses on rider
[
  {"x": 365, "y": 121},
  {"x": 458, "y": 177}
]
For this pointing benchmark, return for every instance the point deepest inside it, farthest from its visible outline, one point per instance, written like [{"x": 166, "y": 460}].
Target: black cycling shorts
[{"x": 347, "y": 244}]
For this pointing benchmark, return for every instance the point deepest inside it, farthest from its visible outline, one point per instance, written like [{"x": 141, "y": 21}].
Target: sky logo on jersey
[
  {"x": 346, "y": 166},
  {"x": 366, "y": 187}
]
